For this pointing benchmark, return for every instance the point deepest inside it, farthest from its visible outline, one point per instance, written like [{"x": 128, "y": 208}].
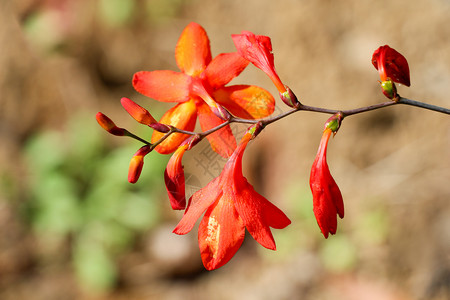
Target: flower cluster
[{"x": 229, "y": 203}]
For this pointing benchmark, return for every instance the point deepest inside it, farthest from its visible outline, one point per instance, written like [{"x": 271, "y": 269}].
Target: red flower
[
  {"x": 258, "y": 50},
  {"x": 200, "y": 92},
  {"x": 327, "y": 198},
  {"x": 231, "y": 205},
  {"x": 392, "y": 67}
]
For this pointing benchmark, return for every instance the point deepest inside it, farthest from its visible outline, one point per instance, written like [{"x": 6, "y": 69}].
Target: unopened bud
[
  {"x": 139, "y": 113},
  {"x": 334, "y": 122},
  {"x": 389, "y": 89},
  {"x": 137, "y": 163},
  {"x": 255, "y": 129},
  {"x": 109, "y": 125},
  {"x": 289, "y": 98}
]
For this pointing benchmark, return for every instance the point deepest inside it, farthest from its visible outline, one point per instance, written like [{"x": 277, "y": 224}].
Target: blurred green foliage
[
  {"x": 116, "y": 12},
  {"x": 160, "y": 10},
  {"x": 79, "y": 192}
]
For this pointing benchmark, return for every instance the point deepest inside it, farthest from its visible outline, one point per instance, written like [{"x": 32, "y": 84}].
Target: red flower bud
[
  {"x": 334, "y": 122},
  {"x": 289, "y": 98},
  {"x": 139, "y": 113},
  {"x": 109, "y": 125},
  {"x": 137, "y": 163}
]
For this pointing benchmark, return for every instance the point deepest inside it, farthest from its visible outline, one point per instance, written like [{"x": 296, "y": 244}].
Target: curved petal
[
  {"x": 223, "y": 68},
  {"x": 258, "y": 214},
  {"x": 222, "y": 141},
  {"x": 193, "y": 52},
  {"x": 323, "y": 206},
  {"x": 182, "y": 116},
  {"x": 220, "y": 234},
  {"x": 258, "y": 50},
  {"x": 198, "y": 203},
  {"x": 392, "y": 63},
  {"x": 327, "y": 198},
  {"x": 165, "y": 85},
  {"x": 246, "y": 101},
  {"x": 174, "y": 179}
]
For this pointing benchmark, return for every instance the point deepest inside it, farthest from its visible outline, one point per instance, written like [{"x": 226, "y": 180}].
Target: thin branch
[
  {"x": 424, "y": 105},
  {"x": 301, "y": 107},
  {"x": 132, "y": 135},
  {"x": 368, "y": 108}
]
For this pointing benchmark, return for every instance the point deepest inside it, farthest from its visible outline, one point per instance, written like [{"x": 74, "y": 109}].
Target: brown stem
[{"x": 301, "y": 107}]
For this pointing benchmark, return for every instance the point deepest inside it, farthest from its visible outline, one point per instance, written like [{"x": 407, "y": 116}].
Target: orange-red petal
[
  {"x": 258, "y": 214},
  {"x": 182, "y": 116},
  {"x": 165, "y": 85},
  {"x": 246, "y": 101},
  {"x": 223, "y": 68},
  {"x": 220, "y": 234},
  {"x": 197, "y": 205},
  {"x": 258, "y": 50},
  {"x": 222, "y": 141},
  {"x": 193, "y": 52},
  {"x": 174, "y": 179}
]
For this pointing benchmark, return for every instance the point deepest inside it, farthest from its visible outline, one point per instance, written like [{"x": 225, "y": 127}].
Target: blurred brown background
[{"x": 71, "y": 227}]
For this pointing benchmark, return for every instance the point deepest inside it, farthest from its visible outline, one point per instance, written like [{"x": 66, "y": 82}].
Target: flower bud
[
  {"x": 109, "y": 125},
  {"x": 137, "y": 163},
  {"x": 289, "y": 98},
  {"x": 334, "y": 122},
  {"x": 389, "y": 89},
  {"x": 139, "y": 113},
  {"x": 255, "y": 129}
]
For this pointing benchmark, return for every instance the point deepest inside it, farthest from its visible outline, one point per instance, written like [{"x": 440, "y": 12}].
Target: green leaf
[
  {"x": 338, "y": 253},
  {"x": 93, "y": 266}
]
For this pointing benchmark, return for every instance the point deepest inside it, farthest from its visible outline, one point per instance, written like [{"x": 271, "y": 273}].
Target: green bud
[
  {"x": 255, "y": 129},
  {"x": 334, "y": 122},
  {"x": 389, "y": 89},
  {"x": 289, "y": 98}
]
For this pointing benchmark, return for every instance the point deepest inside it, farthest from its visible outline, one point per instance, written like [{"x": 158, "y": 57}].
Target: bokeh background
[{"x": 72, "y": 227}]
